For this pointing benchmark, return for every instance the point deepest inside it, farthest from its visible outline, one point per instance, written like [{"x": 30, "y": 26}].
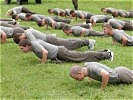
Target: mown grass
[{"x": 24, "y": 77}]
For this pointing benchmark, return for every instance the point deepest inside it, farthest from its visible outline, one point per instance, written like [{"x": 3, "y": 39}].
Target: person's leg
[
  {"x": 26, "y": 10},
  {"x": 128, "y": 27},
  {"x": 70, "y": 44},
  {"x": 75, "y": 3},
  {"x": 6, "y": 24},
  {"x": 130, "y": 14},
  {"x": 125, "y": 75},
  {"x": 74, "y": 56},
  {"x": 68, "y": 21},
  {"x": 121, "y": 14},
  {"x": 95, "y": 33},
  {"x": 5, "y": 19},
  {"x": 84, "y": 26}
]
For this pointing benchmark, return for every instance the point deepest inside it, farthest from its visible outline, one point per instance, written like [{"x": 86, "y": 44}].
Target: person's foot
[
  {"x": 91, "y": 44},
  {"x": 84, "y": 23},
  {"x": 111, "y": 55},
  {"x": 90, "y": 26}
]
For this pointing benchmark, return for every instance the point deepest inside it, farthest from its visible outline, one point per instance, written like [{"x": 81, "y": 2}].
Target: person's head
[
  {"x": 72, "y": 12},
  {"x": 41, "y": 23},
  {"x": 103, "y": 10},
  {"x": 62, "y": 14},
  {"x": 67, "y": 30},
  {"x": 107, "y": 28},
  {"x": 25, "y": 45},
  {"x": 50, "y": 11},
  {"x": 15, "y": 16},
  {"x": 76, "y": 73},
  {"x": 28, "y": 16},
  {"x": 18, "y": 37},
  {"x": 9, "y": 12}
]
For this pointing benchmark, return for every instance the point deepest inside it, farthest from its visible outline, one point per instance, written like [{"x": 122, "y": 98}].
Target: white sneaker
[
  {"x": 91, "y": 44},
  {"x": 90, "y": 24},
  {"x": 111, "y": 56},
  {"x": 84, "y": 23},
  {"x": 54, "y": 35}
]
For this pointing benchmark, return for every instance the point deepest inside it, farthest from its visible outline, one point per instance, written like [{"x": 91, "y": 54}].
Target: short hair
[
  {"x": 16, "y": 37},
  {"x": 28, "y": 15},
  {"x": 25, "y": 42},
  {"x": 72, "y": 11},
  {"x": 39, "y": 23},
  {"x": 14, "y": 16},
  {"x": 66, "y": 28},
  {"x": 75, "y": 70},
  {"x": 49, "y": 10},
  {"x": 102, "y": 9},
  {"x": 107, "y": 25}
]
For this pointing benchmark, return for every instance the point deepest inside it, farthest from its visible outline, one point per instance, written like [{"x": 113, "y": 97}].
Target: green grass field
[{"x": 24, "y": 77}]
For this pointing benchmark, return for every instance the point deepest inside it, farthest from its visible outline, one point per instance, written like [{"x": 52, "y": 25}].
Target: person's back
[
  {"x": 33, "y": 34},
  {"x": 115, "y": 23},
  {"x": 7, "y": 30},
  {"x": 37, "y": 45},
  {"x": 76, "y": 30},
  {"x": 22, "y": 16},
  {"x": 94, "y": 71},
  {"x": 40, "y": 16},
  {"x": 118, "y": 34},
  {"x": 17, "y": 10}
]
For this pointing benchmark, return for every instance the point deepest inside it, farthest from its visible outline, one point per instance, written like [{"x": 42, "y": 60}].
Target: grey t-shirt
[
  {"x": 115, "y": 23},
  {"x": 22, "y": 16},
  {"x": 17, "y": 10},
  {"x": 76, "y": 30},
  {"x": 49, "y": 21},
  {"x": 117, "y": 36},
  {"x": 37, "y": 46},
  {"x": 35, "y": 18},
  {"x": 94, "y": 72},
  {"x": 57, "y": 10},
  {"x": 33, "y": 34},
  {"x": 111, "y": 10},
  {"x": 40, "y": 16},
  {"x": 7, "y": 30},
  {"x": 99, "y": 18},
  {"x": 79, "y": 14}
]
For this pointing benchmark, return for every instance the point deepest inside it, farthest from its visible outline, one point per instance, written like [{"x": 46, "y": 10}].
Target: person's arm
[
  {"x": 3, "y": 38},
  {"x": 124, "y": 40},
  {"x": 53, "y": 24},
  {"x": 113, "y": 42},
  {"x": 82, "y": 17},
  {"x": 90, "y": 79},
  {"x": 105, "y": 78},
  {"x": 44, "y": 55},
  {"x": 82, "y": 32}
]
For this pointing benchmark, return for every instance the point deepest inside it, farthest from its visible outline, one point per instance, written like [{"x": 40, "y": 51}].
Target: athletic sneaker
[
  {"x": 91, "y": 44},
  {"x": 111, "y": 55},
  {"x": 54, "y": 35},
  {"x": 84, "y": 23}
]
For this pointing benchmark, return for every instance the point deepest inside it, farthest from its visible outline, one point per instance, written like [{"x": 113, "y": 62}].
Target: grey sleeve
[
  {"x": 14, "y": 11},
  {"x": 115, "y": 24},
  {"x": 29, "y": 35},
  {"x": 37, "y": 47},
  {"x": 23, "y": 18}
]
